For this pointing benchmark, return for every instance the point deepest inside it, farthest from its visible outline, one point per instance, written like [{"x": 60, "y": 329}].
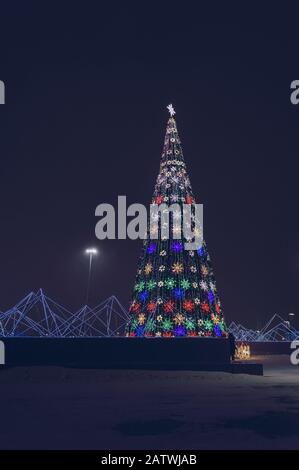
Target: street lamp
[
  {"x": 90, "y": 252},
  {"x": 291, "y": 317}
]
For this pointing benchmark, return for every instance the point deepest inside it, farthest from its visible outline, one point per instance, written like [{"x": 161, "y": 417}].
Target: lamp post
[
  {"x": 90, "y": 252},
  {"x": 291, "y": 317}
]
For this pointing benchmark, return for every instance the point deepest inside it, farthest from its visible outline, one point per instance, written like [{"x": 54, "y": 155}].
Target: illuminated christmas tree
[{"x": 175, "y": 291}]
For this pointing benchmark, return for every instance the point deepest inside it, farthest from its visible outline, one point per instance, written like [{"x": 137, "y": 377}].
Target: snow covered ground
[{"x": 57, "y": 408}]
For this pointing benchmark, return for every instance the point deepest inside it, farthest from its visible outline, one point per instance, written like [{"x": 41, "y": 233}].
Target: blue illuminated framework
[
  {"x": 37, "y": 315},
  {"x": 276, "y": 329}
]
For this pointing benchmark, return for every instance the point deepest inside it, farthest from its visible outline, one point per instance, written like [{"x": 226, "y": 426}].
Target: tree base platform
[{"x": 206, "y": 354}]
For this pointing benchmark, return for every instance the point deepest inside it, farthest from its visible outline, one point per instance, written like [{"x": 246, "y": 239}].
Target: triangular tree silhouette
[{"x": 175, "y": 291}]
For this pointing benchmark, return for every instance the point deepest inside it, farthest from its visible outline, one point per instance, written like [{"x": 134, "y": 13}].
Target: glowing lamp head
[{"x": 91, "y": 251}]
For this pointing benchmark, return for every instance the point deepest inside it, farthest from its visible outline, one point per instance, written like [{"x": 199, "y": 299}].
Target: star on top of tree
[{"x": 171, "y": 110}]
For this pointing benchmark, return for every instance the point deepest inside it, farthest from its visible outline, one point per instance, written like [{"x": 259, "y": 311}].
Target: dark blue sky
[{"x": 84, "y": 122}]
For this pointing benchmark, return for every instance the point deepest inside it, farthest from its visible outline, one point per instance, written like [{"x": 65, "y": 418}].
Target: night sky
[{"x": 84, "y": 121}]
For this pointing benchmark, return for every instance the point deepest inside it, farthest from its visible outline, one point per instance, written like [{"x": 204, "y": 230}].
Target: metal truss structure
[
  {"x": 38, "y": 315},
  {"x": 277, "y": 329}
]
